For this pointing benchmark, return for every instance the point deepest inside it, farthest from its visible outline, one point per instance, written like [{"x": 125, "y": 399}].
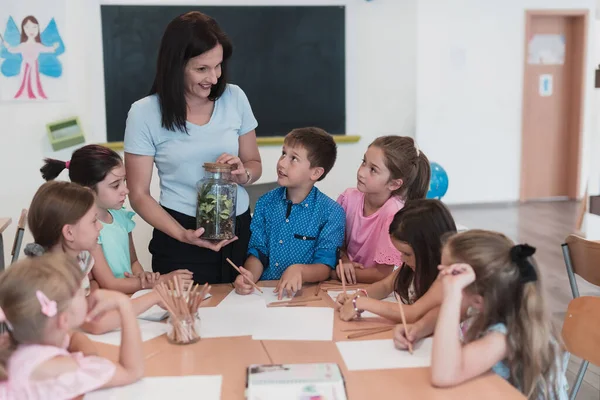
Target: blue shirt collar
[{"x": 308, "y": 201}]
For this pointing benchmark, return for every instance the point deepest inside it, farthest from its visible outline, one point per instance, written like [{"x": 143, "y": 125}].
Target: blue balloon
[{"x": 438, "y": 185}]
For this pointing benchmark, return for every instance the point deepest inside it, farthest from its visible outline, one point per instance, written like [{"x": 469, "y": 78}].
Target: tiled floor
[{"x": 543, "y": 225}]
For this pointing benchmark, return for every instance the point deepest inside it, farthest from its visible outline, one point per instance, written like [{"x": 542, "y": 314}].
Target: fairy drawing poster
[{"x": 32, "y": 52}]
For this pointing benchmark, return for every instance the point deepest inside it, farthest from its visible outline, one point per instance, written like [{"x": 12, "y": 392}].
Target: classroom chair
[
  {"x": 581, "y": 333},
  {"x": 258, "y": 189},
  {"x": 582, "y": 257},
  {"x": 16, "y": 249}
]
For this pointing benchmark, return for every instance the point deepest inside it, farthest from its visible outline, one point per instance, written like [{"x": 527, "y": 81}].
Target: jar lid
[{"x": 218, "y": 167}]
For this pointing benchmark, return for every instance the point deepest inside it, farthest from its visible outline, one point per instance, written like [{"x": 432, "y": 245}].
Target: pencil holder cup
[{"x": 183, "y": 330}]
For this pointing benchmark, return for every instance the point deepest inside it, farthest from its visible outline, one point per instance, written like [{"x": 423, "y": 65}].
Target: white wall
[
  {"x": 469, "y": 92},
  {"x": 380, "y": 76}
]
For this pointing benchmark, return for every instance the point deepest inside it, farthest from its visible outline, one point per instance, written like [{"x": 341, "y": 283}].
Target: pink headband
[{"x": 67, "y": 164}]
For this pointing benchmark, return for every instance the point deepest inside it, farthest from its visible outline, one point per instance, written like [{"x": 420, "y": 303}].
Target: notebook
[{"x": 295, "y": 381}]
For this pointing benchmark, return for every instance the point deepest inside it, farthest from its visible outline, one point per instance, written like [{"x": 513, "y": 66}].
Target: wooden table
[
  {"x": 230, "y": 357},
  {"x": 4, "y": 223}
]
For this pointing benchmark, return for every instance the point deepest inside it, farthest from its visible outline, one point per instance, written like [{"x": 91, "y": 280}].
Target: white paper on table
[
  {"x": 295, "y": 323},
  {"x": 367, "y": 314},
  {"x": 149, "y": 330},
  {"x": 381, "y": 354},
  {"x": 229, "y": 321},
  {"x": 154, "y": 313},
  {"x": 255, "y": 298},
  {"x": 164, "y": 387}
]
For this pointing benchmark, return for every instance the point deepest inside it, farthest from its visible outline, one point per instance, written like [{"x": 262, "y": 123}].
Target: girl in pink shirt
[
  {"x": 393, "y": 170},
  {"x": 41, "y": 303}
]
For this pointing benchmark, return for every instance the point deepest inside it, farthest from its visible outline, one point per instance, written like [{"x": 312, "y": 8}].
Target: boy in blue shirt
[{"x": 296, "y": 229}]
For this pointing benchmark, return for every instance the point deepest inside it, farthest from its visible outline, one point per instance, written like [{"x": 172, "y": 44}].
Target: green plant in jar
[{"x": 217, "y": 195}]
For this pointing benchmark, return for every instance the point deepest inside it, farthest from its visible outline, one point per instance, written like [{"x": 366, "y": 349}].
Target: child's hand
[
  {"x": 347, "y": 312},
  {"x": 341, "y": 299},
  {"x": 456, "y": 276},
  {"x": 349, "y": 271},
  {"x": 242, "y": 282},
  {"x": 185, "y": 275},
  {"x": 147, "y": 279},
  {"x": 101, "y": 301},
  {"x": 402, "y": 338},
  {"x": 290, "y": 282}
]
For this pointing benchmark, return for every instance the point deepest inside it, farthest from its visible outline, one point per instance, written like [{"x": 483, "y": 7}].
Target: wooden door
[{"x": 552, "y": 105}]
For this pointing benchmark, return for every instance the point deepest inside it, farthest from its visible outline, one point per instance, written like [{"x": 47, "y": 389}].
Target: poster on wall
[
  {"x": 32, "y": 51},
  {"x": 547, "y": 49}
]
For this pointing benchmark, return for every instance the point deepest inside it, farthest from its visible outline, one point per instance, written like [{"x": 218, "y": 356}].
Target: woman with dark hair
[
  {"x": 417, "y": 231},
  {"x": 191, "y": 116}
]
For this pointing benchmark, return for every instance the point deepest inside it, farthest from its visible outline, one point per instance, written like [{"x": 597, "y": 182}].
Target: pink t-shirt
[
  {"x": 92, "y": 374},
  {"x": 367, "y": 238}
]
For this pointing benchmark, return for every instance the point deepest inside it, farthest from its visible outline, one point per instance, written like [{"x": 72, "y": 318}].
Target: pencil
[
  {"x": 365, "y": 329},
  {"x": 295, "y": 301},
  {"x": 410, "y": 349},
  {"x": 369, "y": 332},
  {"x": 240, "y": 272},
  {"x": 287, "y": 305}
]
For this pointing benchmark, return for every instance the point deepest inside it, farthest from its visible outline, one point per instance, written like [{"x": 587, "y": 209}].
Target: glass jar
[
  {"x": 183, "y": 330},
  {"x": 217, "y": 199}
]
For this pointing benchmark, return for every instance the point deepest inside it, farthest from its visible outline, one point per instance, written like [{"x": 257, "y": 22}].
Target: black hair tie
[
  {"x": 33, "y": 250},
  {"x": 520, "y": 254}
]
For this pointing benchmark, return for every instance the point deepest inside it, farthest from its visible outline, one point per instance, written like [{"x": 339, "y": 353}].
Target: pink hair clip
[
  {"x": 3, "y": 319},
  {"x": 67, "y": 164},
  {"x": 48, "y": 306}
]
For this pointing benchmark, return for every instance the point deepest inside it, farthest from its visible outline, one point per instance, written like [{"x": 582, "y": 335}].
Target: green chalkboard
[{"x": 289, "y": 60}]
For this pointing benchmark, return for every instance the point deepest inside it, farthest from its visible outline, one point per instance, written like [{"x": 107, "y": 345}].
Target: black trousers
[{"x": 169, "y": 254}]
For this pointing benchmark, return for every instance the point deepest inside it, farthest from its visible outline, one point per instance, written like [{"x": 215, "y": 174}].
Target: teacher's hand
[
  {"x": 239, "y": 173},
  {"x": 193, "y": 237}
]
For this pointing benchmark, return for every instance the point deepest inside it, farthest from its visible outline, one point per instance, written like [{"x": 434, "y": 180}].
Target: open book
[{"x": 295, "y": 381}]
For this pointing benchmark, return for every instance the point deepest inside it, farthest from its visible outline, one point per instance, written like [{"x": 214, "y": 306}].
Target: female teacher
[{"x": 191, "y": 116}]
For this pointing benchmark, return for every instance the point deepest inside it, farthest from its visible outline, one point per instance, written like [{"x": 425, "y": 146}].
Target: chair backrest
[
  {"x": 581, "y": 328},
  {"x": 16, "y": 249},
  {"x": 258, "y": 189},
  {"x": 585, "y": 258}
]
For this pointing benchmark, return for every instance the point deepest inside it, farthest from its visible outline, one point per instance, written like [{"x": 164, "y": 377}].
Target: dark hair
[
  {"x": 187, "y": 36},
  {"x": 54, "y": 205},
  {"x": 30, "y": 18},
  {"x": 422, "y": 224},
  {"x": 405, "y": 161},
  {"x": 89, "y": 165},
  {"x": 319, "y": 145}
]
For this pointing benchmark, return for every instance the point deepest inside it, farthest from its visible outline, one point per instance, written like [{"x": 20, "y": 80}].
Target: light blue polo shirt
[{"x": 179, "y": 156}]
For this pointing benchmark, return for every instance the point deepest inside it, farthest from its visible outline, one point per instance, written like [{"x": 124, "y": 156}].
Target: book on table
[{"x": 322, "y": 381}]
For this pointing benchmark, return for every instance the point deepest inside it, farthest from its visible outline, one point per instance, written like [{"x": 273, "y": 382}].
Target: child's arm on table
[
  {"x": 389, "y": 310},
  {"x": 111, "y": 320},
  {"x": 130, "y": 367},
  {"x": 148, "y": 279},
  {"x": 295, "y": 275},
  {"x": 251, "y": 272},
  {"x": 258, "y": 252},
  {"x": 105, "y": 277},
  {"x": 79, "y": 342},
  {"x": 451, "y": 362}
]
